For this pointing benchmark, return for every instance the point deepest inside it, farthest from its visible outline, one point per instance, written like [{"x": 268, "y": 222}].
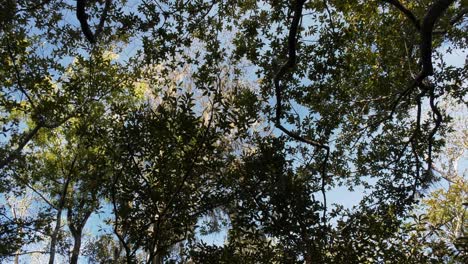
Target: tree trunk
[
  {"x": 58, "y": 222},
  {"x": 76, "y": 249},
  {"x": 157, "y": 259},
  {"x": 53, "y": 238},
  {"x": 76, "y": 229},
  {"x": 117, "y": 251},
  {"x": 17, "y": 257}
]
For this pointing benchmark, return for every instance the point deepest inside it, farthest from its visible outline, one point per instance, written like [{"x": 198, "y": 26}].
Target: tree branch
[
  {"x": 431, "y": 17},
  {"x": 18, "y": 76},
  {"x": 29, "y": 135},
  {"x": 426, "y": 31},
  {"x": 287, "y": 67},
  {"x": 40, "y": 194},
  {"x": 406, "y": 12},
  {"x": 459, "y": 16},
  {"x": 290, "y": 63},
  {"x": 103, "y": 18},
  {"x": 83, "y": 18},
  {"x": 29, "y": 252}
]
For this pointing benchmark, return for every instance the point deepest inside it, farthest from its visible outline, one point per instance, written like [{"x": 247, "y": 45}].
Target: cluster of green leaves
[{"x": 146, "y": 114}]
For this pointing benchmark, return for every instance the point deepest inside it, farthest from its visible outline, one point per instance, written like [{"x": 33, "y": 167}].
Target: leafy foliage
[{"x": 154, "y": 116}]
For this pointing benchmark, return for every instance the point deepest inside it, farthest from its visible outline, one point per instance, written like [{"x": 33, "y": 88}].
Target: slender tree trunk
[
  {"x": 157, "y": 255},
  {"x": 58, "y": 222},
  {"x": 17, "y": 257},
  {"x": 157, "y": 259},
  {"x": 128, "y": 256},
  {"x": 76, "y": 249},
  {"x": 53, "y": 238},
  {"x": 76, "y": 229},
  {"x": 117, "y": 251}
]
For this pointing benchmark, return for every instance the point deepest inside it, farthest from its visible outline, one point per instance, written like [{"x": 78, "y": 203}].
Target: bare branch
[
  {"x": 40, "y": 195},
  {"x": 29, "y": 252}
]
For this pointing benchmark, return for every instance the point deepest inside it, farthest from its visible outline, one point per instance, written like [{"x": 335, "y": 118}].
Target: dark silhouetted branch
[
  {"x": 431, "y": 17},
  {"x": 285, "y": 68},
  {"x": 289, "y": 65},
  {"x": 83, "y": 18}
]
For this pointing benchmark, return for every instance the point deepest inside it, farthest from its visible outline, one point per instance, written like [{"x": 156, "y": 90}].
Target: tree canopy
[{"x": 132, "y": 129}]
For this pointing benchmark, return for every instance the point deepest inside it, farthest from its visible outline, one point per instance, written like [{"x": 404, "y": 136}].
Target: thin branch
[
  {"x": 414, "y": 143},
  {"x": 40, "y": 195},
  {"x": 332, "y": 24},
  {"x": 103, "y": 18},
  {"x": 408, "y": 55},
  {"x": 438, "y": 120},
  {"x": 459, "y": 16},
  {"x": 443, "y": 174},
  {"x": 120, "y": 236},
  {"x": 29, "y": 135},
  {"x": 406, "y": 12},
  {"x": 290, "y": 63},
  {"x": 34, "y": 7},
  {"x": 29, "y": 252},
  {"x": 287, "y": 67},
  {"x": 60, "y": 207},
  {"x": 431, "y": 17},
  {"x": 426, "y": 30},
  {"x": 18, "y": 76}
]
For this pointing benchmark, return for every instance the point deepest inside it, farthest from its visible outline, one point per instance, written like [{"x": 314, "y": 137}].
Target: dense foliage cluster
[{"x": 131, "y": 130}]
